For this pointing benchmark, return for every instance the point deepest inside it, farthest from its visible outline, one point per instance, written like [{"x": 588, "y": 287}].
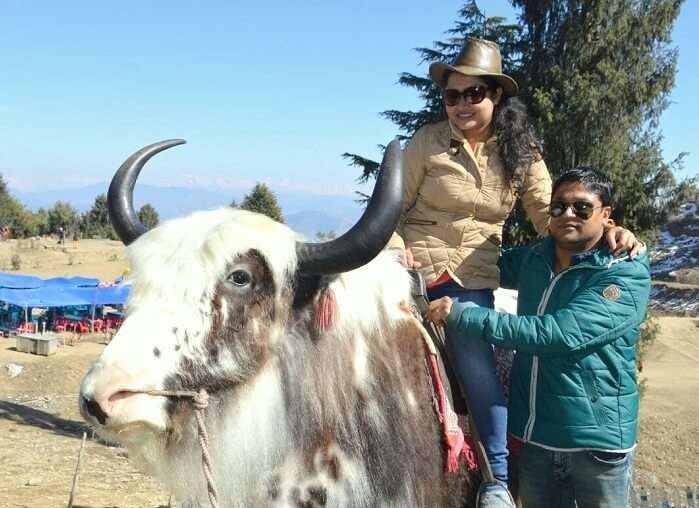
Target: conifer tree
[
  {"x": 599, "y": 74},
  {"x": 95, "y": 222},
  {"x": 13, "y": 214},
  {"x": 596, "y": 75},
  {"x": 148, "y": 216},
  {"x": 63, "y": 215},
  {"x": 262, "y": 200},
  {"x": 472, "y": 22}
]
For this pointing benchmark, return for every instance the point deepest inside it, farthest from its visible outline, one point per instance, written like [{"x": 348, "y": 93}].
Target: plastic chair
[
  {"x": 27, "y": 327},
  {"x": 60, "y": 324},
  {"x": 97, "y": 325}
]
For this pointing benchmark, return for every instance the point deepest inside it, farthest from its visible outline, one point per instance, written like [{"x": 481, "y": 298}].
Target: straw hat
[{"x": 477, "y": 58}]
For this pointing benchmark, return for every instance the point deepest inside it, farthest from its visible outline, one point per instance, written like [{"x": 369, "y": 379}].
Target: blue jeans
[
  {"x": 549, "y": 479},
  {"x": 474, "y": 363}
]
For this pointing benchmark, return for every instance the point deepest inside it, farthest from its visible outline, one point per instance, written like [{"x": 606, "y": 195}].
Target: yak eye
[{"x": 240, "y": 278}]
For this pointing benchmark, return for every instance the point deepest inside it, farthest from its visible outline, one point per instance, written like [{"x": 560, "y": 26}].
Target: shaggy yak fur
[{"x": 301, "y": 414}]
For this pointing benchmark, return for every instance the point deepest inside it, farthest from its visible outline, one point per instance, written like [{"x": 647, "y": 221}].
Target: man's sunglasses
[
  {"x": 582, "y": 209},
  {"x": 471, "y": 95}
]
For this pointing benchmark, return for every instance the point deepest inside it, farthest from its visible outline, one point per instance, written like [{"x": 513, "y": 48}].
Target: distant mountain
[{"x": 304, "y": 212}]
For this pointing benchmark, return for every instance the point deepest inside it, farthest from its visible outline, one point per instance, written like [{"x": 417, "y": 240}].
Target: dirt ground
[
  {"x": 103, "y": 259},
  {"x": 40, "y": 435},
  {"x": 41, "y": 428},
  {"x": 669, "y": 431}
]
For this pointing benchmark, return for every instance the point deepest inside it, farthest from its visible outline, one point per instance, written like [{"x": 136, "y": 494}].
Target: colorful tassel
[{"x": 326, "y": 311}]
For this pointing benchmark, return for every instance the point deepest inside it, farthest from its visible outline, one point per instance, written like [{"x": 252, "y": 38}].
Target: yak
[{"x": 319, "y": 393}]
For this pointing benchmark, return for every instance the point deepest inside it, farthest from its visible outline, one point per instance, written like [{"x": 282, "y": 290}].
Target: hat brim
[{"x": 509, "y": 85}]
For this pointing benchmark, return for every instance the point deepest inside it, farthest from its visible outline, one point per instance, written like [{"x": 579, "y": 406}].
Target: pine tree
[
  {"x": 148, "y": 216},
  {"x": 472, "y": 22},
  {"x": 22, "y": 222},
  {"x": 63, "y": 215},
  {"x": 599, "y": 74},
  {"x": 596, "y": 75},
  {"x": 262, "y": 200},
  {"x": 95, "y": 222},
  {"x": 3, "y": 186}
]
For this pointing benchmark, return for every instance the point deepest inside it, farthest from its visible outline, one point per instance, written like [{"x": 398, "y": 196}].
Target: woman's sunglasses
[
  {"x": 471, "y": 95},
  {"x": 581, "y": 209}
]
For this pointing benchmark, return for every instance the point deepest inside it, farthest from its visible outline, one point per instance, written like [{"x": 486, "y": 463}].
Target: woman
[{"x": 463, "y": 176}]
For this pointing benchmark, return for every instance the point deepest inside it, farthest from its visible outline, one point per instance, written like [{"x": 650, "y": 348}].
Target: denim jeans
[
  {"x": 474, "y": 363},
  {"x": 549, "y": 479}
]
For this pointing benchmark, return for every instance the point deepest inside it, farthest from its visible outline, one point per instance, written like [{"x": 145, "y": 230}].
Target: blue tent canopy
[
  {"x": 110, "y": 295},
  {"x": 15, "y": 281},
  {"x": 72, "y": 282},
  {"x": 31, "y": 291},
  {"x": 42, "y": 297}
]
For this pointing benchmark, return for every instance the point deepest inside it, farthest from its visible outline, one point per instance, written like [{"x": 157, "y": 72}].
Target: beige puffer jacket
[{"x": 456, "y": 202}]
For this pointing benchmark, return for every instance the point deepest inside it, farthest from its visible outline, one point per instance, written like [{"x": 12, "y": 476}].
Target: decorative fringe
[
  {"x": 326, "y": 311},
  {"x": 453, "y": 434}
]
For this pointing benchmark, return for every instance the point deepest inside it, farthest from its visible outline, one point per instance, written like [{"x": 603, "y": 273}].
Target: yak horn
[
  {"x": 120, "y": 195},
  {"x": 370, "y": 234}
]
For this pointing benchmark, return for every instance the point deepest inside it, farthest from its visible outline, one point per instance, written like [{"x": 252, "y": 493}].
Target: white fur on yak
[{"x": 297, "y": 417}]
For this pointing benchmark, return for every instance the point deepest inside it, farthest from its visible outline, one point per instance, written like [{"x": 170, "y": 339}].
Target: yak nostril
[{"x": 94, "y": 409}]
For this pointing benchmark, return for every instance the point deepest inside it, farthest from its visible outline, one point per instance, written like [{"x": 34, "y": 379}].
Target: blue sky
[{"x": 262, "y": 91}]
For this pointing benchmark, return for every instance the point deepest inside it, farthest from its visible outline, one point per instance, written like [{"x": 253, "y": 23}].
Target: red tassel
[
  {"x": 452, "y": 461},
  {"x": 326, "y": 311},
  {"x": 469, "y": 453}
]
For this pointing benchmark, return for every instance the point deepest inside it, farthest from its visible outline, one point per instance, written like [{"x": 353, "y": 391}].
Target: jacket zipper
[
  {"x": 529, "y": 426},
  {"x": 534, "y": 374}
]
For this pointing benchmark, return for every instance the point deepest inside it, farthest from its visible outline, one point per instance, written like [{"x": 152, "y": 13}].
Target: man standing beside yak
[{"x": 574, "y": 395}]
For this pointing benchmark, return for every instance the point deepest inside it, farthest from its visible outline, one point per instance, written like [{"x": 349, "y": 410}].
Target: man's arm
[
  {"x": 599, "y": 314},
  {"x": 509, "y": 264}
]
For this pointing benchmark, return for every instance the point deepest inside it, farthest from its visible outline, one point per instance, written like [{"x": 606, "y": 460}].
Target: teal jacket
[{"x": 574, "y": 374}]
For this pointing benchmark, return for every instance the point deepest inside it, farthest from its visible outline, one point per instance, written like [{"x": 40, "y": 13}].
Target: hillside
[{"x": 675, "y": 265}]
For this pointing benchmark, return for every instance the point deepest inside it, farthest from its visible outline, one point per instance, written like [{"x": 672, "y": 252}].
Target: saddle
[{"x": 454, "y": 394}]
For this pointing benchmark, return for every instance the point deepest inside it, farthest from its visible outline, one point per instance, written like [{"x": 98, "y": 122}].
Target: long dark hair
[{"x": 518, "y": 144}]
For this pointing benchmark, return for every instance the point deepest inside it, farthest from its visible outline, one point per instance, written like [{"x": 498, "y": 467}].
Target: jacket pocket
[
  {"x": 610, "y": 459},
  {"x": 593, "y": 396},
  {"x": 420, "y": 222}
]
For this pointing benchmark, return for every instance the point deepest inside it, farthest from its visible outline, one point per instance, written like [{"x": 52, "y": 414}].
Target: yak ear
[
  {"x": 312, "y": 293},
  {"x": 306, "y": 287}
]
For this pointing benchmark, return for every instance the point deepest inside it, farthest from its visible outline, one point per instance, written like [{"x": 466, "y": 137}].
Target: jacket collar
[
  {"x": 599, "y": 257},
  {"x": 457, "y": 135}
]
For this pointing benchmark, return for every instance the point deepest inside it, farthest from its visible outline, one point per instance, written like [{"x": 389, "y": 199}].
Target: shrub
[
  {"x": 16, "y": 262},
  {"x": 649, "y": 332}
]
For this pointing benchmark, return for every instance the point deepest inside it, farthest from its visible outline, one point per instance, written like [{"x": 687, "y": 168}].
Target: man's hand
[
  {"x": 439, "y": 310},
  {"x": 620, "y": 240}
]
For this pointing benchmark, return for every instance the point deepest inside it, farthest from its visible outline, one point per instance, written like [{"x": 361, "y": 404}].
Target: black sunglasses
[
  {"x": 581, "y": 209},
  {"x": 471, "y": 95}
]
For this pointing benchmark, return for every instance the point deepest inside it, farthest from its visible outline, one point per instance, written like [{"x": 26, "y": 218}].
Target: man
[{"x": 574, "y": 397}]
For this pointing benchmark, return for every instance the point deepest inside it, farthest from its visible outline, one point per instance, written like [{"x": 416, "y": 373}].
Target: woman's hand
[
  {"x": 408, "y": 261},
  {"x": 620, "y": 240},
  {"x": 438, "y": 311}
]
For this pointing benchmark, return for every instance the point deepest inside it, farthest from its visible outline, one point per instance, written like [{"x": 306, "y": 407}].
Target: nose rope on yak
[{"x": 200, "y": 401}]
